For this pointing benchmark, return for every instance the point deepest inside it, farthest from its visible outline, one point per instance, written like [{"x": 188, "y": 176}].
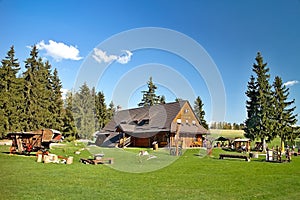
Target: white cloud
[
  {"x": 291, "y": 83},
  {"x": 101, "y": 56},
  {"x": 59, "y": 50},
  {"x": 125, "y": 58},
  {"x": 64, "y": 93}
]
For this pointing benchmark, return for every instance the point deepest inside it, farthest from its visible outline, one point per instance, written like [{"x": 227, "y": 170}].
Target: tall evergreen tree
[
  {"x": 284, "y": 118},
  {"x": 83, "y": 110},
  {"x": 46, "y": 116},
  {"x": 101, "y": 110},
  {"x": 252, "y": 122},
  {"x": 149, "y": 96},
  {"x": 200, "y": 113},
  {"x": 56, "y": 106},
  {"x": 263, "y": 125},
  {"x": 10, "y": 97},
  {"x": 69, "y": 128},
  {"x": 30, "y": 120},
  {"x": 38, "y": 93}
]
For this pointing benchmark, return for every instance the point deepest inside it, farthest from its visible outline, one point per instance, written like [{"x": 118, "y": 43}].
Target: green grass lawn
[{"x": 189, "y": 177}]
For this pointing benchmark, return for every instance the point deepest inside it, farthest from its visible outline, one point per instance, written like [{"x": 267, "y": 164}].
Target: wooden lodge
[
  {"x": 34, "y": 140},
  {"x": 158, "y": 124}
]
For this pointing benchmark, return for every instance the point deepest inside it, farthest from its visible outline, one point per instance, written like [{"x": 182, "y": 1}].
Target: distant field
[
  {"x": 227, "y": 133},
  {"x": 189, "y": 177}
]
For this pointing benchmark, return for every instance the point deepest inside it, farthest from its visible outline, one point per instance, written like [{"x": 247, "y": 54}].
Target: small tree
[
  {"x": 178, "y": 99},
  {"x": 110, "y": 111},
  {"x": 149, "y": 96},
  {"x": 162, "y": 99},
  {"x": 200, "y": 113}
]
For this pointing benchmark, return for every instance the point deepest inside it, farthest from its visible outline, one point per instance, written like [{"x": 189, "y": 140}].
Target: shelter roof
[{"x": 242, "y": 140}]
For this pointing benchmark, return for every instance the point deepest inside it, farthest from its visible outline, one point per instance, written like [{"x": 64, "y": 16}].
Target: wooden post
[{"x": 177, "y": 135}]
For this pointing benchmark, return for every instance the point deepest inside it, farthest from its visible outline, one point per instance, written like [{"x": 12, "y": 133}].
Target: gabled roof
[{"x": 149, "y": 119}]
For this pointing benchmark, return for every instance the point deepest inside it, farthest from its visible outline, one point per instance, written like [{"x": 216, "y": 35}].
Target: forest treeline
[{"x": 32, "y": 100}]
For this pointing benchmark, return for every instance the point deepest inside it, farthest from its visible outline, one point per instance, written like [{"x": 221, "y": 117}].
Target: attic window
[
  {"x": 186, "y": 111},
  {"x": 134, "y": 122},
  {"x": 143, "y": 122}
]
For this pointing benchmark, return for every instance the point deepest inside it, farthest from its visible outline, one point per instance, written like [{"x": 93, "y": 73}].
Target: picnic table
[
  {"x": 97, "y": 161},
  {"x": 222, "y": 156}
]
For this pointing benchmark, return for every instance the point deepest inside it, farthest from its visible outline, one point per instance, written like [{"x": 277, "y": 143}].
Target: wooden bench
[
  {"x": 234, "y": 156},
  {"x": 99, "y": 161},
  {"x": 104, "y": 161}
]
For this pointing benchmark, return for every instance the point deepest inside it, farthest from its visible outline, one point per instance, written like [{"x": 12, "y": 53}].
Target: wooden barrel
[
  {"x": 70, "y": 160},
  {"x": 39, "y": 158}
]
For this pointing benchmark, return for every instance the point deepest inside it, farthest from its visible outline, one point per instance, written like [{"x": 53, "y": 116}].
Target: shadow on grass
[
  {"x": 260, "y": 160},
  {"x": 20, "y": 154}
]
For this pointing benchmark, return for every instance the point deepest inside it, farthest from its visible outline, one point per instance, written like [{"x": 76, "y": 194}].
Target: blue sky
[{"x": 231, "y": 32}]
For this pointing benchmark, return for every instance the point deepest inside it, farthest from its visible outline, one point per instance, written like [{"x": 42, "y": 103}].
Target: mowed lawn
[{"x": 189, "y": 177}]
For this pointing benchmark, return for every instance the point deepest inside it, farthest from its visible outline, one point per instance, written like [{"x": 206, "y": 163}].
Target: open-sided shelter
[{"x": 33, "y": 140}]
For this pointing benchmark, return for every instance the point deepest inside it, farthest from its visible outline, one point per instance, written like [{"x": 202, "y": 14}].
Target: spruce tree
[
  {"x": 69, "y": 128},
  {"x": 110, "y": 111},
  {"x": 252, "y": 122},
  {"x": 149, "y": 96},
  {"x": 38, "y": 93},
  {"x": 284, "y": 118},
  {"x": 56, "y": 106},
  {"x": 10, "y": 93},
  {"x": 45, "y": 114},
  {"x": 178, "y": 99},
  {"x": 83, "y": 110},
  {"x": 101, "y": 110},
  {"x": 30, "y": 120},
  {"x": 200, "y": 113},
  {"x": 162, "y": 99},
  {"x": 263, "y": 125}
]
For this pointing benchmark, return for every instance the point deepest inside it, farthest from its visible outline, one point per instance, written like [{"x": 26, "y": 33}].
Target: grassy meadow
[
  {"x": 189, "y": 177},
  {"x": 226, "y": 133}
]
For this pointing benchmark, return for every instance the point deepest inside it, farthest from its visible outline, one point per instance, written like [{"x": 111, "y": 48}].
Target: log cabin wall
[{"x": 187, "y": 117}]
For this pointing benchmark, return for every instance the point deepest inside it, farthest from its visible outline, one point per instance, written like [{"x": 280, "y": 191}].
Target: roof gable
[
  {"x": 145, "y": 118},
  {"x": 155, "y": 119},
  {"x": 190, "y": 124}
]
